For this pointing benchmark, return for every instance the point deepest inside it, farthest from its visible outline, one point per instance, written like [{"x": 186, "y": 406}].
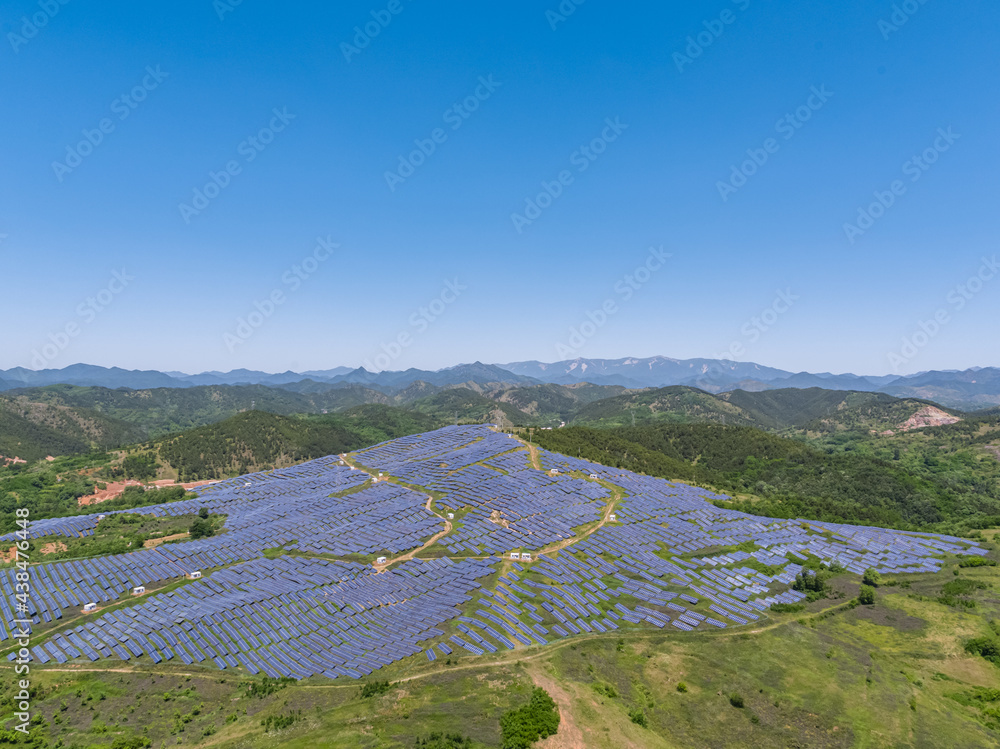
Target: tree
[
  {"x": 867, "y": 595},
  {"x": 203, "y": 513},
  {"x": 871, "y": 577},
  {"x": 201, "y": 528},
  {"x": 521, "y": 727}
]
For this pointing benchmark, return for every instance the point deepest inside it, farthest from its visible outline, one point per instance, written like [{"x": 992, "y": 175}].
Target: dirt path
[
  {"x": 430, "y": 500},
  {"x": 569, "y": 735},
  {"x": 152, "y": 543},
  {"x": 536, "y": 459}
]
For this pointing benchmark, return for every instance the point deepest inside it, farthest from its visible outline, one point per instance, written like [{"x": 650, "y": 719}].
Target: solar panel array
[
  {"x": 510, "y": 505},
  {"x": 670, "y": 559}
]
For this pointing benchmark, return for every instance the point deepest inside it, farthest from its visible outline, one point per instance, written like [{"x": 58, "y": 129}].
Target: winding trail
[
  {"x": 430, "y": 501},
  {"x": 536, "y": 462}
]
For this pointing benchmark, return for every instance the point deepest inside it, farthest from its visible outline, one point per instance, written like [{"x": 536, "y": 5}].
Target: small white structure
[
  {"x": 525, "y": 556},
  {"x": 380, "y": 560},
  {"x": 554, "y": 471},
  {"x": 138, "y": 590},
  {"x": 612, "y": 517},
  {"x": 88, "y": 607},
  {"x": 380, "y": 474},
  {"x": 593, "y": 475},
  {"x": 193, "y": 575},
  {"x": 101, "y": 517},
  {"x": 515, "y": 555},
  {"x": 451, "y": 515}
]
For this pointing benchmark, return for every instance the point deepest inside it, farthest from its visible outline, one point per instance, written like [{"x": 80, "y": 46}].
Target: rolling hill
[
  {"x": 675, "y": 404},
  {"x": 32, "y": 430},
  {"x": 256, "y": 440},
  {"x": 948, "y": 485}
]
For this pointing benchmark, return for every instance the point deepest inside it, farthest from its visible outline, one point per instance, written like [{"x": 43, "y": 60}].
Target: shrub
[
  {"x": 278, "y": 722},
  {"x": 867, "y": 595},
  {"x": 682, "y": 687},
  {"x": 978, "y": 562},
  {"x": 871, "y": 577},
  {"x": 638, "y": 717},
  {"x": 962, "y": 586},
  {"x": 375, "y": 688},
  {"x": 605, "y": 689},
  {"x": 438, "y": 740},
  {"x": 988, "y": 647},
  {"x": 521, "y": 727},
  {"x": 787, "y": 608},
  {"x": 131, "y": 742},
  {"x": 736, "y": 700},
  {"x": 265, "y": 686}
]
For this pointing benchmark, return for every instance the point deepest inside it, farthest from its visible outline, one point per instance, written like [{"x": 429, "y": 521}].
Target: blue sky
[{"x": 450, "y": 256}]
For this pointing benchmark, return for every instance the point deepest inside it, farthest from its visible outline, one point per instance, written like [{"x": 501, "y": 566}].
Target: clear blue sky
[{"x": 192, "y": 273}]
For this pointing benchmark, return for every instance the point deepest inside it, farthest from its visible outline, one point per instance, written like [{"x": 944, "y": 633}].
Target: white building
[
  {"x": 193, "y": 575},
  {"x": 451, "y": 515},
  {"x": 88, "y": 607},
  {"x": 525, "y": 556},
  {"x": 138, "y": 590},
  {"x": 612, "y": 517},
  {"x": 380, "y": 560},
  {"x": 515, "y": 555}
]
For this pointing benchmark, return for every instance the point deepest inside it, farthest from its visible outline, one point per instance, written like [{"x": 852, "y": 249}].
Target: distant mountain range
[{"x": 969, "y": 389}]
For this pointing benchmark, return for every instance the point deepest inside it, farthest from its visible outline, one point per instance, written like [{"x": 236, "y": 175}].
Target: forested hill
[
  {"x": 779, "y": 477},
  {"x": 812, "y": 410},
  {"x": 30, "y": 431},
  {"x": 257, "y": 440}
]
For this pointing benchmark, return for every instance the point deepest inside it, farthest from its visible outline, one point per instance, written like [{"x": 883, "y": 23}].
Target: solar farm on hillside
[{"x": 440, "y": 544}]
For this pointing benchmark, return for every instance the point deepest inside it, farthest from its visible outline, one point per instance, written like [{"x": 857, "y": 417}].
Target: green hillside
[
  {"x": 780, "y": 477},
  {"x": 164, "y": 410},
  {"x": 31, "y": 431},
  {"x": 826, "y": 411},
  {"x": 468, "y": 407},
  {"x": 680, "y": 405},
  {"x": 257, "y": 440}
]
